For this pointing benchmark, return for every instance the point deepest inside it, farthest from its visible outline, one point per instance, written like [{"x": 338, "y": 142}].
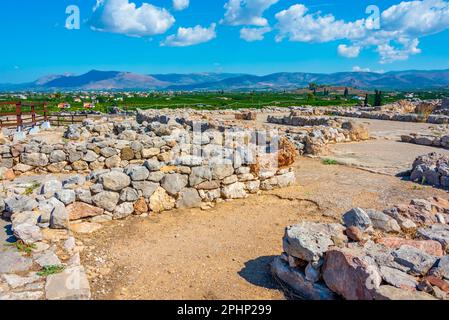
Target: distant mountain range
[{"x": 115, "y": 80}]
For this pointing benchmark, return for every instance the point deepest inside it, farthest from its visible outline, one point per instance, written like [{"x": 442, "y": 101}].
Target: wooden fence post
[
  {"x": 19, "y": 115},
  {"x": 33, "y": 114},
  {"x": 45, "y": 112}
]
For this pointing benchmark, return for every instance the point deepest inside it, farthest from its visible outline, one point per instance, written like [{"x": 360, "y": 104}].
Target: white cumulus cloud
[
  {"x": 254, "y": 34},
  {"x": 348, "y": 51},
  {"x": 180, "y": 5},
  {"x": 190, "y": 36},
  {"x": 401, "y": 27},
  {"x": 124, "y": 17},
  {"x": 360, "y": 69},
  {"x": 247, "y": 12}
]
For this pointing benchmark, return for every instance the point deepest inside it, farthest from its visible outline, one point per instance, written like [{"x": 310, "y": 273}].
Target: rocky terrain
[
  {"x": 397, "y": 254},
  {"x": 70, "y": 195}
]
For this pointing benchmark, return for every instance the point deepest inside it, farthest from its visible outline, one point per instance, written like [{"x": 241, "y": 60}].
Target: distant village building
[
  {"x": 64, "y": 105},
  {"x": 88, "y": 105}
]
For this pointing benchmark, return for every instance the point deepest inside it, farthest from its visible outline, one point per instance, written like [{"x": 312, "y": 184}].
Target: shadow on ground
[{"x": 258, "y": 272}]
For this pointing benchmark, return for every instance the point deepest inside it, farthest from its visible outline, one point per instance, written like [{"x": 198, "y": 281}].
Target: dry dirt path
[
  {"x": 386, "y": 154},
  {"x": 225, "y": 253}
]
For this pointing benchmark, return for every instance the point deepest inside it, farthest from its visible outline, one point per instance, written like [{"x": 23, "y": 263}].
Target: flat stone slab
[
  {"x": 71, "y": 284},
  {"x": 12, "y": 262}
]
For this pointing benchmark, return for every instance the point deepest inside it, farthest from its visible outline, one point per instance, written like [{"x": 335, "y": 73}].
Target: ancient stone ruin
[{"x": 112, "y": 170}]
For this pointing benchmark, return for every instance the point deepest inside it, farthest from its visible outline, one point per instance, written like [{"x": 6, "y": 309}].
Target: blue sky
[{"x": 252, "y": 36}]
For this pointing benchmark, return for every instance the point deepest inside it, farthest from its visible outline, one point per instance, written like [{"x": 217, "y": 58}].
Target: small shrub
[
  {"x": 23, "y": 247},
  {"x": 34, "y": 186},
  {"x": 329, "y": 162},
  {"x": 49, "y": 270}
]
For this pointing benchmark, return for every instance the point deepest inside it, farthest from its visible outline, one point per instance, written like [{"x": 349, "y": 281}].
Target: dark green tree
[
  {"x": 366, "y": 100},
  {"x": 346, "y": 94},
  {"x": 378, "y": 98}
]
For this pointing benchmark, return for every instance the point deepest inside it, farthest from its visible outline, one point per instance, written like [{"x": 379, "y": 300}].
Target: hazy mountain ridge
[{"x": 116, "y": 80}]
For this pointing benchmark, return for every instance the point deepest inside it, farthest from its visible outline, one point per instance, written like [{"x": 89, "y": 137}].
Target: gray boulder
[
  {"x": 129, "y": 195},
  {"x": 106, "y": 200},
  {"x": 20, "y": 203},
  {"x": 28, "y": 233},
  {"x": 34, "y": 159},
  {"x": 123, "y": 210},
  {"x": 59, "y": 218},
  {"x": 357, "y": 217},
  {"x": 57, "y": 156},
  {"x": 383, "y": 222},
  {"x": 441, "y": 268},
  {"x": 49, "y": 188},
  {"x": 174, "y": 183},
  {"x": 189, "y": 198},
  {"x": 145, "y": 187},
  {"x": 138, "y": 173},
  {"x": 397, "y": 278},
  {"x": 66, "y": 196},
  {"x": 437, "y": 232},
  {"x": 115, "y": 181},
  {"x": 309, "y": 241}
]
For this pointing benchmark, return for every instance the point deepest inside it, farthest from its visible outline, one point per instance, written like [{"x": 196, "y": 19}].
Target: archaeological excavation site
[{"x": 274, "y": 203}]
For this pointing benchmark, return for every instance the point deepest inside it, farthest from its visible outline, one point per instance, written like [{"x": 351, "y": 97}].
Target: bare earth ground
[
  {"x": 387, "y": 154},
  {"x": 225, "y": 253}
]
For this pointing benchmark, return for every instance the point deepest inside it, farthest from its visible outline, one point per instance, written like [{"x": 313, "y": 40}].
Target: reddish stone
[
  {"x": 141, "y": 206},
  {"x": 355, "y": 234},
  {"x": 349, "y": 276},
  {"x": 439, "y": 204},
  {"x": 81, "y": 210},
  {"x": 9, "y": 175},
  {"x": 429, "y": 246},
  {"x": 437, "y": 282}
]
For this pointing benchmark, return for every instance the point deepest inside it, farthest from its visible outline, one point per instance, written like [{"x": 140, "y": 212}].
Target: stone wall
[{"x": 108, "y": 171}]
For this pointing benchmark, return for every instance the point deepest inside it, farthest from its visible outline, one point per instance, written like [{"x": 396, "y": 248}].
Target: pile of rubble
[
  {"x": 401, "y": 253},
  {"x": 432, "y": 169}
]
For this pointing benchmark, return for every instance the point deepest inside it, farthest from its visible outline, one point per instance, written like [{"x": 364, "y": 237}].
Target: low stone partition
[
  {"x": 303, "y": 121},
  {"x": 316, "y": 133},
  {"x": 398, "y": 254},
  {"x": 431, "y": 169},
  {"x": 427, "y": 140}
]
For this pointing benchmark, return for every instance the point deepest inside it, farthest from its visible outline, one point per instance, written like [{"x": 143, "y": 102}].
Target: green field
[{"x": 212, "y": 101}]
